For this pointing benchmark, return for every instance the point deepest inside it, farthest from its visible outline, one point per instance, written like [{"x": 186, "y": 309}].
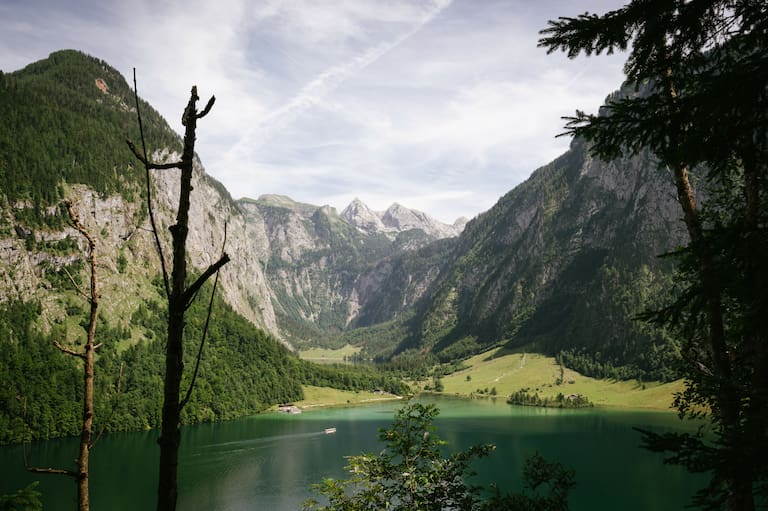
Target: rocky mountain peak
[
  {"x": 399, "y": 218},
  {"x": 359, "y": 215},
  {"x": 460, "y": 223}
]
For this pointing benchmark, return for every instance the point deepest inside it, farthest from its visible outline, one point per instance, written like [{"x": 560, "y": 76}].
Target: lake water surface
[{"x": 270, "y": 461}]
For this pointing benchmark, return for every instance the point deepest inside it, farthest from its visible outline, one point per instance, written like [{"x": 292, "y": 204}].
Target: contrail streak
[{"x": 314, "y": 92}]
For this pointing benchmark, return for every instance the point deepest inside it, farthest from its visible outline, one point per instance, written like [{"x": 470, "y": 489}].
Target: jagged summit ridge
[
  {"x": 359, "y": 215},
  {"x": 398, "y": 218}
]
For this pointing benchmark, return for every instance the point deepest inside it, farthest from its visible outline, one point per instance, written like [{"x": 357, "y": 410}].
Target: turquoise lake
[{"x": 270, "y": 461}]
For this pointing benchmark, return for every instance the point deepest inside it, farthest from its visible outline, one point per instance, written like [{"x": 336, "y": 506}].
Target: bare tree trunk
[
  {"x": 179, "y": 298},
  {"x": 81, "y": 475},
  {"x": 170, "y": 436},
  {"x": 88, "y": 378}
]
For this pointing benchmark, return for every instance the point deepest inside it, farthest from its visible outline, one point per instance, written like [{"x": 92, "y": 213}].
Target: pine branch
[{"x": 589, "y": 33}]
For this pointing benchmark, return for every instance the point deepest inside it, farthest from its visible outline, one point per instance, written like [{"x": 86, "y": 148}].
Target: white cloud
[
  {"x": 437, "y": 105},
  {"x": 314, "y": 93}
]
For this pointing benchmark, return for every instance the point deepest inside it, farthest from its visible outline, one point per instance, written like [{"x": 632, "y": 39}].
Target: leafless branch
[
  {"x": 207, "y": 108},
  {"x": 205, "y": 328},
  {"x": 149, "y": 188},
  {"x": 68, "y": 351},
  {"x": 40, "y": 470},
  {"x": 148, "y": 164},
  {"x": 114, "y": 408},
  {"x": 59, "y": 471},
  {"x": 75, "y": 221},
  {"x": 195, "y": 287},
  {"x": 74, "y": 284}
]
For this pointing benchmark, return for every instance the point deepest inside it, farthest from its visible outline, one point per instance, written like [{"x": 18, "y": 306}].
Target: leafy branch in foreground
[
  {"x": 26, "y": 499},
  {"x": 411, "y": 474}
]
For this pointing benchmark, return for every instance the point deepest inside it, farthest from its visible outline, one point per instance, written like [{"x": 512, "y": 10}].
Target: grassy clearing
[
  {"x": 509, "y": 372},
  {"x": 329, "y": 355},
  {"x": 323, "y": 396}
]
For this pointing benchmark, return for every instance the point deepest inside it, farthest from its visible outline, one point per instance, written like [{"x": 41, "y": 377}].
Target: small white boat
[{"x": 329, "y": 431}]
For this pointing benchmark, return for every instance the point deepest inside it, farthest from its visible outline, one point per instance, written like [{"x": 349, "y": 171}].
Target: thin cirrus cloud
[
  {"x": 313, "y": 94},
  {"x": 439, "y": 105}
]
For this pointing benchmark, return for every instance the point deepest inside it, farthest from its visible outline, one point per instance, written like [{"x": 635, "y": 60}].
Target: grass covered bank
[
  {"x": 498, "y": 373},
  {"x": 317, "y": 397},
  {"x": 510, "y": 372}
]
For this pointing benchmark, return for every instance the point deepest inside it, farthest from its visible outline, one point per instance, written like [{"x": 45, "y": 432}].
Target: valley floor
[
  {"x": 511, "y": 372},
  {"x": 316, "y": 397},
  {"x": 498, "y": 374}
]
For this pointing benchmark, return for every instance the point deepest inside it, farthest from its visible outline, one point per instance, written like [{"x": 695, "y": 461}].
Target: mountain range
[{"x": 560, "y": 264}]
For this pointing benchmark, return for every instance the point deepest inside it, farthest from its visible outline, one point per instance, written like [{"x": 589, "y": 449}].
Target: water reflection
[{"x": 270, "y": 461}]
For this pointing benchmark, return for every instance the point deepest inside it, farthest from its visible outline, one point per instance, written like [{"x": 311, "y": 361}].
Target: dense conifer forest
[
  {"x": 58, "y": 127},
  {"x": 243, "y": 371}
]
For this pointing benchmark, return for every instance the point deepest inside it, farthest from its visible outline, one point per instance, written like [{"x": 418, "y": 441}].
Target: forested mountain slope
[
  {"x": 66, "y": 119},
  {"x": 562, "y": 263},
  {"x": 297, "y": 270}
]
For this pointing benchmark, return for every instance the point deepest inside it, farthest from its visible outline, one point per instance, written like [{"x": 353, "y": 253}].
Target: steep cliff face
[
  {"x": 326, "y": 271},
  {"x": 563, "y": 261},
  {"x": 32, "y": 259},
  {"x": 300, "y": 271}
]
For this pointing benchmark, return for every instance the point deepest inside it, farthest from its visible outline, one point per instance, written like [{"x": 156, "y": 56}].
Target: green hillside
[
  {"x": 243, "y": 371},
  {"x": 499, "y": 373},
  {"x": 59, "y": 127},
  {"x": 563, "y": 263}
]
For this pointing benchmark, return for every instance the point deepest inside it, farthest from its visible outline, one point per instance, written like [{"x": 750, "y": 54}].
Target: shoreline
[{"x": 349, "y": 399}]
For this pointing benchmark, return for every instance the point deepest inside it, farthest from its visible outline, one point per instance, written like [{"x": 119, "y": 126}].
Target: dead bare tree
[
  {"x": 179, "y": 295},
  {"x": 81, "y": 475}
]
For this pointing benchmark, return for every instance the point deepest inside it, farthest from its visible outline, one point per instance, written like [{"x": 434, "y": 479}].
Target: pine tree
[{"x": 700, "y": 101}]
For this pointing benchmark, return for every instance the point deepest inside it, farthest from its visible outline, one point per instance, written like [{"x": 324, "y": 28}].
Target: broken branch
[
  {"x": 207, "y": 108},
  {"x": 114, "y": 408},
  {"x": 148, "y": 164},
  {"x": 205, "y": 328},
  {"x": 74, "y": 284},
  {"x": 68, "y": 351},
  {"x": 59, "y": 471},
  {"x": 195, "y": 287}
]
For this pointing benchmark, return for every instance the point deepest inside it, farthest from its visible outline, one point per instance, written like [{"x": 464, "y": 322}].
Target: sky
[{"x": 440, "y": 105}]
